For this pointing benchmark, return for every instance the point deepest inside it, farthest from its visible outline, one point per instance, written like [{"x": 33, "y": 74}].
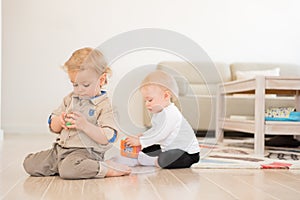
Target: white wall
[
  {"x": 39, "y": 35},
  {"x": 1, "y": 131}
]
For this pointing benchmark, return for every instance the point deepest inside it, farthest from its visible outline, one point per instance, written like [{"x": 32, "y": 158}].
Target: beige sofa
[{"x": 197, "y": 90}]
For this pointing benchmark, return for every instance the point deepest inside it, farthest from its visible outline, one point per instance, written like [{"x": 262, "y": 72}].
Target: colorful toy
[
  {"x": 127, "y": 151},
  {"x": 68, "y": 123}
]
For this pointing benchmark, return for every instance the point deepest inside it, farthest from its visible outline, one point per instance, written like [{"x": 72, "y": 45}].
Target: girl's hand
[
  {"x": 76, "y": 120},
  {"x": 132, "y": 141}
]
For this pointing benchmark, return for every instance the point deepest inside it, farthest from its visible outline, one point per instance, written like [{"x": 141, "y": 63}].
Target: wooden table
[{"x": 260, "y": 86}]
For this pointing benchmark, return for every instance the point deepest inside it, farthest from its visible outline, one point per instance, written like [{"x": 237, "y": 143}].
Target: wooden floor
[{"x": 145, "y": 183}]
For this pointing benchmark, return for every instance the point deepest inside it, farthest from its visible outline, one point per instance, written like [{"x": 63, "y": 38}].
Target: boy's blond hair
[
  {"x": 163, "y": 80},
  {"x": 87, "y": 58}
]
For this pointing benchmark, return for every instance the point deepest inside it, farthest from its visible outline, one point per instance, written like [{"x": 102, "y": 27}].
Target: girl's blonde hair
[
  {"x": 163, "y": 80},
  {"x": 87, "y": 58}
]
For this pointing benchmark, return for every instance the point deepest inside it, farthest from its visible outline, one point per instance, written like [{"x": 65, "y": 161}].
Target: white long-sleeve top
[{"x": 171, "y": 131}]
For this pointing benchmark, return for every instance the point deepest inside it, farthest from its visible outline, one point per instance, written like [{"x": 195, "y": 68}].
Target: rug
[{"x": 239, "y": 153}]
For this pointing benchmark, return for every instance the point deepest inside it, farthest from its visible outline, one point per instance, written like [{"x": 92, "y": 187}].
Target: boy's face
[
  {"x": 86, "y": 83},
  {"x": 155, "y": 98}
]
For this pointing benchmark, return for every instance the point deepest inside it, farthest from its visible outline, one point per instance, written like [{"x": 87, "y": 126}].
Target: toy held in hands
[
  {"x": 127, "y": 151},
  {"x": 68, "y": 123}
]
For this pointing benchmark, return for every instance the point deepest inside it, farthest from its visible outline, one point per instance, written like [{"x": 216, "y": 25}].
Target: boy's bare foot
[{"x": 116, "y": 169}]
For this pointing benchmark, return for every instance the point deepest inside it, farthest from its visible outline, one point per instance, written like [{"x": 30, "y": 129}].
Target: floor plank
[
  {"x": 199, "y": 186},
  {"x": 127, "y": 187},
  {"x": 10, "y": 177},
  {"x": 238, "y": 185},
  {"x": 30, "y": 188},
  {"x": 144, "y": 183},
  {"x": 285, "y": 180},
  {"x": 60, "y": 188}
]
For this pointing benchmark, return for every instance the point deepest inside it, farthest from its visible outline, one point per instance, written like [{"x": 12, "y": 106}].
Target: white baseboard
[
  {"x": 1, "y": 135},
  {"x": 25, "y": 129}
]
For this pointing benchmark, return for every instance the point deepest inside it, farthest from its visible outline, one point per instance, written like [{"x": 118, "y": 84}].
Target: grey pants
[{"x": 68, "y": 163}]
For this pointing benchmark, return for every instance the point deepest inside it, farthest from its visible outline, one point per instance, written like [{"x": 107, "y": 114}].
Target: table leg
[
  {"x": 297, "y": 98},
  {"x": 220, "y": 110},
  {"x": 259, "y": 136},
  {"x": 297, "y": 101}
]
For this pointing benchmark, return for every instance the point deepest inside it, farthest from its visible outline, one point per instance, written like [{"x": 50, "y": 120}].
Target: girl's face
[
  {"x": 155, "y": 98},
  {"x": 86, "y": 83}
]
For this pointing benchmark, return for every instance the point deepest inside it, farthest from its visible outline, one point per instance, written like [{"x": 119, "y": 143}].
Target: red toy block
[{"x": 127, "y": 151}]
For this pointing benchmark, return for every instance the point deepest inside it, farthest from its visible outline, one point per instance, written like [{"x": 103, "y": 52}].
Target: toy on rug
[{"x": 127, "y": 151}]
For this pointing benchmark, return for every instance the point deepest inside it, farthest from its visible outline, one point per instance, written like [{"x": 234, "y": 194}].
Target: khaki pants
[{"x": 68, "y": 163}]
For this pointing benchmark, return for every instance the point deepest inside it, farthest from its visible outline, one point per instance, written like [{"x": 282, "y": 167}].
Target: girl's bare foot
[{"x": 116, "y": 169}]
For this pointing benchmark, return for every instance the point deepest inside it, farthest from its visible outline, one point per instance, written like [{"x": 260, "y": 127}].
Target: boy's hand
[
  {"x": 132, "y": 141},
  {"x": 58, "y": 123},
  {"x": 62, "y": 120},
  {"x": 76, "y": 120}
]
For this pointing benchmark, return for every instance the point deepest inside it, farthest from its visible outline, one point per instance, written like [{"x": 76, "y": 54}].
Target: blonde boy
[{"x": 84, "y": 125}]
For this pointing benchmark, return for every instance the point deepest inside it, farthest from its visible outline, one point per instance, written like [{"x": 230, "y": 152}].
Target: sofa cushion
[
  {"x": 285, "y": 69},
  {"x": 188, "y": 71},
  {"x": 186, "y": 88},
  {"x": 253, "y": 73},
  {"x": 202, "y": 89}
]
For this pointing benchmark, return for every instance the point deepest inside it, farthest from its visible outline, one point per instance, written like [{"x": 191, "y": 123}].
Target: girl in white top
[{"x": 171, "y": 141}]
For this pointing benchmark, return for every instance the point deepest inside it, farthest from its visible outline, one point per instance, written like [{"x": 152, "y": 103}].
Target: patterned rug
[{"x": 239, "y": 153}]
